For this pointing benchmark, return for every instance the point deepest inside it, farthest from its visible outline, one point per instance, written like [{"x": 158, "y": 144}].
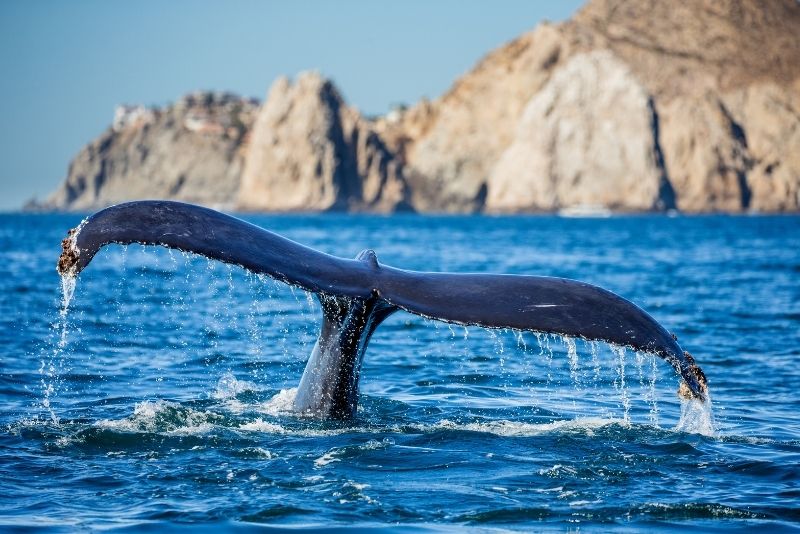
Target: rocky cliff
[
  {"x": 633, "y": 105},
  {"x": 312, "y": 152},
  {"x": 191, "y": 151}
]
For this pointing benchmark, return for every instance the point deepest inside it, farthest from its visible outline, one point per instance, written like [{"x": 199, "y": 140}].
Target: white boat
[{"x": 585, "y": 210}]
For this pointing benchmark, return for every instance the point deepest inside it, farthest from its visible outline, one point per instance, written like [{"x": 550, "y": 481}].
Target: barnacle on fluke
[
  {"x": 68, "y": 259},
  {"x": 683, "y": 389}
]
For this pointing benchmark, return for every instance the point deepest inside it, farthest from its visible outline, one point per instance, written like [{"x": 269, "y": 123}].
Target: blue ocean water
[{"x": 158, "y": 398}]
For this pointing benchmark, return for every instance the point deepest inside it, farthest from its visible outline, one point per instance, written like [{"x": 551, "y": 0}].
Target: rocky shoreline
[{"x": 630, "y": 106}]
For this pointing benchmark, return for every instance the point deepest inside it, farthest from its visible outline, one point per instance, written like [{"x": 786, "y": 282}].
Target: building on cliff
[{"x": 131, "y": 117}]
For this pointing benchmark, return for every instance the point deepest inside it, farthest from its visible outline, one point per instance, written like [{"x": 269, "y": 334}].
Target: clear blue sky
[{"x": 65, "y": 65}]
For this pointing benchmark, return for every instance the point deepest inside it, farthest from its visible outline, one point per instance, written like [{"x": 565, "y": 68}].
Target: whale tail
[{"x": 357, "y": 295}]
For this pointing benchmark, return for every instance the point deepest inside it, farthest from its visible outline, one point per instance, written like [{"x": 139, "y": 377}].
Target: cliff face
[
  {"x": 723, "y": 76},
  {"x": 585, "y": 138},
  {"x": 633, "y": 105},
  {"x": 191, "y": 151},
  {"x": 452, "y": 153},
  {"x": 310, "y": 151}
]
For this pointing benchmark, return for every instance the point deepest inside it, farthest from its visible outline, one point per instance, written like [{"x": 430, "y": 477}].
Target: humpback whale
[{"x": 356, "y": 295}]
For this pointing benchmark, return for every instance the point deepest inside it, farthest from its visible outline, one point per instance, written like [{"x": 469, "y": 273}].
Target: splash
[
  {"x": 697, "y": 417},
  {"x": 280, "y": 404},
  {"x": 228, "y": 387},
  {"x": 68, "y": 283},
  {"x": 167, "y": 418},
  {"x": 591, "y": 369}
]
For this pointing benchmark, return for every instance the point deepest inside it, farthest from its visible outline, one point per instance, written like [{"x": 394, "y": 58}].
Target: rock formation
[
  {"x": 451, "y": 154},
  {"x": 723, "y": 76},
  {"x": 705, "y": 125},
  {"x": 585, "y": 138},
  {"x": 309, "y": 151},
  {"x": 191, "y": 151},
  {"x": 633, "y": 105}
]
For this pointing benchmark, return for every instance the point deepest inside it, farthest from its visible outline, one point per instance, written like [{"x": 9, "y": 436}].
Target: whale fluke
[{"x": 358, "y": 294}]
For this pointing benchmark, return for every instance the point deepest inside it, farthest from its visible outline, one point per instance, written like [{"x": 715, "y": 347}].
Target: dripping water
[
  {"x": 697, "y": 417},
  {"x": 49, "y": 368},
  {"x": 619, "y": 382},
  {"x": 595, "y": 362},
  {"x": 572, "y": 354}
]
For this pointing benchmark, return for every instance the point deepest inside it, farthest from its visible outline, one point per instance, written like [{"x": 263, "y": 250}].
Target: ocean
[{"x": 157, "y": 399}]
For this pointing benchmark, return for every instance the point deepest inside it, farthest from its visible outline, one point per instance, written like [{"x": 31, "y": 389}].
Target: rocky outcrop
[
  {"x": 767, "y": 119},
  {"x": 311, "y": 152},
  {"x": 648, "y": 105},
  {"x": 586, "y": 138},
  {"x": 191, "y": 151},
  {"x": 727, "y": 109},
  {"x": 633, "y": 105},
  {"x": 734, "y": 151},
  {"x": 451, "y": 156}
]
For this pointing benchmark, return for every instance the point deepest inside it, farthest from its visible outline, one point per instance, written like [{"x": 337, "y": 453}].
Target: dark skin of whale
[{"x": 357, "y": 295}]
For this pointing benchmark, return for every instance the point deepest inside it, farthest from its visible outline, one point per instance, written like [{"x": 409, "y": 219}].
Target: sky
[{"x": 64, "y": 66}]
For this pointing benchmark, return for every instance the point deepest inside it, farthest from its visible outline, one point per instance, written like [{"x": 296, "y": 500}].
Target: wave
[
  {"x": 275, "y": 417},
  {"x": 234, "y": 407},
  {"x": 163, "y": 417},
  {"x": 229, "y": 387},
  {"x": 338, "y": 453},
  {"x": 518, "y": 429}
]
